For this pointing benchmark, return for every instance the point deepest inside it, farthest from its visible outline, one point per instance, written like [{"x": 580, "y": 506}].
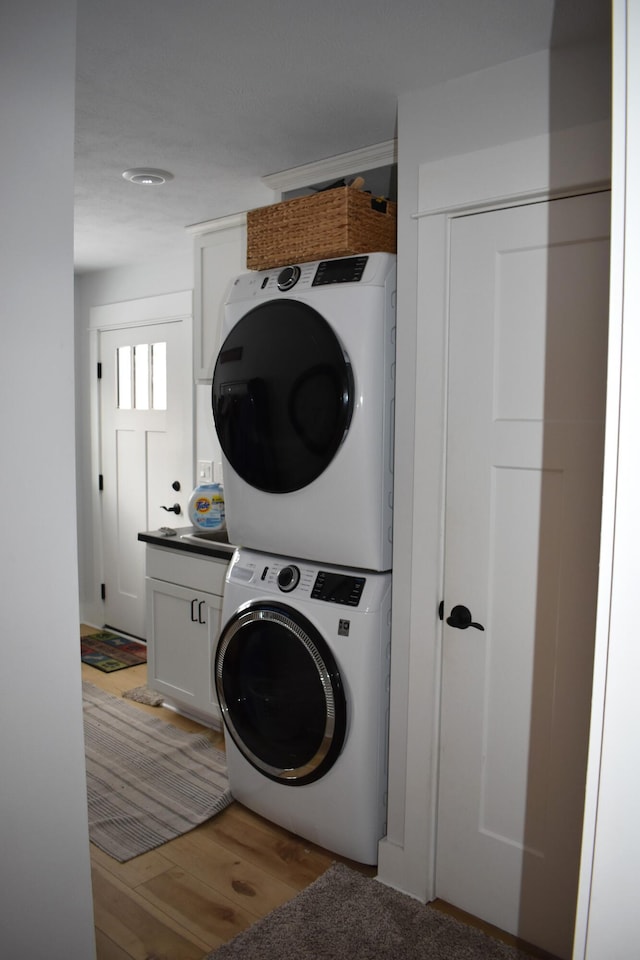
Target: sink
[{"x": 217, "y": 536}]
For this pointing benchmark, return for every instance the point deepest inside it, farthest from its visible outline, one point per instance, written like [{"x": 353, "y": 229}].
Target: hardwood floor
[
  {"x": 193, "y": 894},
  {"x": 189, "y": 896}
]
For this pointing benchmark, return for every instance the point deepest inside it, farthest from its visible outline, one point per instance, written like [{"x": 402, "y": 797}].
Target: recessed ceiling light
[{"x": 147, "y": 176}]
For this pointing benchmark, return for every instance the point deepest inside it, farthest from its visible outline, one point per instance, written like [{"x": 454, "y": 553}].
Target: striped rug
[{"x": 147, "y": 781}]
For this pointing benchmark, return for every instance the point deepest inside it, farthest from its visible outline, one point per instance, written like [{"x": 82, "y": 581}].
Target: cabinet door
[
  {"x": 184, "y": 625},
  {"x": 219, "y": 257}
]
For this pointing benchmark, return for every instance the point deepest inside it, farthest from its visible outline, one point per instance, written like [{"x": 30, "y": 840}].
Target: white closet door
[{"x": 527, "y": 363}]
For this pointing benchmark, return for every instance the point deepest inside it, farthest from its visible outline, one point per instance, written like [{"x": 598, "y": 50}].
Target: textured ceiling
[{"x": 223, "y": 93}]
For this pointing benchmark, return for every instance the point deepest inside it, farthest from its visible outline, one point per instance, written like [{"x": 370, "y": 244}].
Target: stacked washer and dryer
[{"x": 303, "y": 404}]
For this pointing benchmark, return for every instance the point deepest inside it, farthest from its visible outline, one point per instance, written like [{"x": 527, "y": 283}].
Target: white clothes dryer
[
  {"x": 303, "y": 404},
  {"x": 301, "y": 672}
]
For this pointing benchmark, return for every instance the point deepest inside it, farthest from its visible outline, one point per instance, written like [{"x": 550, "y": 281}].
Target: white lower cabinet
[{"x": 183, "y": 628}]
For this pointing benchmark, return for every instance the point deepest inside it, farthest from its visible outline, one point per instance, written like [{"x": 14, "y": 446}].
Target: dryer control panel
[
  {"x": 370, "y": 269},
  {"x": 346, "y": 270}
]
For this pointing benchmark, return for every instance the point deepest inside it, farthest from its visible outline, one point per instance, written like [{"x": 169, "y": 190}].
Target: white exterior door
[
  {"x": 527, "y": 365},
  {"x": 146, "y": 454}
]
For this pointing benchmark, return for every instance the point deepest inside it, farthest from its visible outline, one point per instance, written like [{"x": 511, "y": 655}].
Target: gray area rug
[
  {"x": 345, "y": 915},
  {"x": 147, "y": 781}
]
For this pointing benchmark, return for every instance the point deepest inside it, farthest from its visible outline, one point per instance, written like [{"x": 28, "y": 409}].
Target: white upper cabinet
[{"x": 220, "y": 255}]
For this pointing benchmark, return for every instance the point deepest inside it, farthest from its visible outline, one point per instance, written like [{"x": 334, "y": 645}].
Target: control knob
[
  {"x": 288, "y": 578},
  {"x": 288, "y": 278}
]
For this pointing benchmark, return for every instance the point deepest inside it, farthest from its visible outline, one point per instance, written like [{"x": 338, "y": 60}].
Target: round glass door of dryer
[
  {"x": 282, "y": 396},
  {"x": 280, "y": 693}
]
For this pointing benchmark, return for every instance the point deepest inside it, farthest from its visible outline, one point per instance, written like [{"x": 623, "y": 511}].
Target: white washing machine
[
  {"x": 301, "y": 671},
  {"x": 302, "y": 395}
]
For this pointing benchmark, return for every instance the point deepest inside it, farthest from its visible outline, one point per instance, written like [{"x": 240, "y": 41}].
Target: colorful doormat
[{"x": 108, "y": 652}]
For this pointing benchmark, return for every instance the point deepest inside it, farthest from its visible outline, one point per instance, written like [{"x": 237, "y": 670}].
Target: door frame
[
  {"x": 170, "y": 307},
  {"x": 545, "y": 167}
]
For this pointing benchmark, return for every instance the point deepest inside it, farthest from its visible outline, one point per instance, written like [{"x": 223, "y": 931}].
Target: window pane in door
[
  {"x": 141, "y": 376},
  {"x": 158, "y": 376},
  {"x": 124, "y": 390}
]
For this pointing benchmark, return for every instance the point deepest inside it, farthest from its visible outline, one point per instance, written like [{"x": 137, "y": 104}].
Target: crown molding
[
  {"x": 332, "y": 168},
  {"x": 221, "y": 223},
  {"x": 368, "y": 158}
]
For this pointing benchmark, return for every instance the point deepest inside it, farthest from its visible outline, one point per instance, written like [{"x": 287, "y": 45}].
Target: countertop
[{"x": 190, "y": 540}]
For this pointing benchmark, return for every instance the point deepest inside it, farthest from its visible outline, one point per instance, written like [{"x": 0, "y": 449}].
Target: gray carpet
[
  {"x": 147, "y": 781},
  {"x": 345, "y": 916}
]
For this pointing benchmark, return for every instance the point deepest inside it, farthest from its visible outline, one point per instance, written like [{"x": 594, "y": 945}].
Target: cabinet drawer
[{"x": 189, "y": 570}]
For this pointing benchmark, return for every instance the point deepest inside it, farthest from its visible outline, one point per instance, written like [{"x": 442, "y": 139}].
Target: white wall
[
  {"x": 45, "y": 907},
  {"x": 512, "y": 102},
  {"x": 608, "y": 922}
]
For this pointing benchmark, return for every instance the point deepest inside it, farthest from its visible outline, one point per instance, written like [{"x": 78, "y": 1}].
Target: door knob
[
  {"x": 174, "y": 509},
  {"x": 175, "y": 485},
  {"x": 460, "y": 618}
]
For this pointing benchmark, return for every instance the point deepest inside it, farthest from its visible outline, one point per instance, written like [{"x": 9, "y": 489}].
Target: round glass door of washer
[{"x": 280, "y": 693}]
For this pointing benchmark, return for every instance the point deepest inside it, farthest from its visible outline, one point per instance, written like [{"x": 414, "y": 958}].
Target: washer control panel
[
  {"x": 253, "y": 575},
  {"x": 289, "y": 578},
  {"x": 330, "y": 586},
  {"x": 338, "y": 588}
]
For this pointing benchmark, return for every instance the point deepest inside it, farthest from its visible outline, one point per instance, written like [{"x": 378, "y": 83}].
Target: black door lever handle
[{"x": 460, "y": 618}]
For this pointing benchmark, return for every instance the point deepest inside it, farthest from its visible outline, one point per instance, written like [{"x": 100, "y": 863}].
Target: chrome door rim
[{"x": 307, "y": 771}]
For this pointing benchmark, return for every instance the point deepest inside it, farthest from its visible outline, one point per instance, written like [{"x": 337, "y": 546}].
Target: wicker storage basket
[{"x": 332, "y": 223}]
